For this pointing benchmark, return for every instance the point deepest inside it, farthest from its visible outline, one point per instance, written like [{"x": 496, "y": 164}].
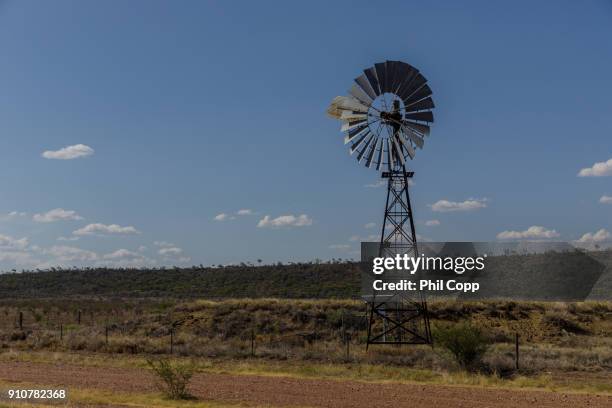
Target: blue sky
[{"x": 195, "y": 109}]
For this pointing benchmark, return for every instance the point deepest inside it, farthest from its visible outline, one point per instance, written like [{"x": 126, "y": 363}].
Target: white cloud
[
  {"x": 223, "y": 217},
  {"x": 533, "y": 232},
  {"x": 340, "y": 246},
  {"x": 163, "y": 244},
  {"x": 599, "y": 169},
  {"x": 142, "y": 248},
  {"x": 122, "y": 254},
  {"x": 370, "y": 225},
  {"x": 63, "y": 253},
  {"x": 354, "y": 238},
  {"x": 17, "y": 214},
  {"x": 57, "y": 214},
  {"x": 102, "y": 229},
  {"x": 69, "y": 152},
  {"x": 285, "y": 221},
  {"x": 245, "y": 211},
  {"x": 468, "y": 205},
  {"x": 377, "y": 184},
  {"x": 8, "y": 242},
  {"x": 432, "y": 223},
  {"x": 605, "y": 199},
  {"x": 68, "y": 238},
  {"x": 170, "y": 251},
  {"x": 21, "y": 258},
  {"x": 598, "y": 236}
]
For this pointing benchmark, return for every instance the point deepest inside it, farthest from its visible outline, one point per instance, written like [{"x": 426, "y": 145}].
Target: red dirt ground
[{"x": 250, "y": 391}]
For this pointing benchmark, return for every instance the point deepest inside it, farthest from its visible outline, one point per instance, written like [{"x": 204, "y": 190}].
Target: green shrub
[
  {"x": 172, "y": 378},
  {"x": 465, "y": 342}
]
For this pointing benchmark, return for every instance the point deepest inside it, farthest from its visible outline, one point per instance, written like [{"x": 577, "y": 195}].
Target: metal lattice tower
[{"x": 385, "y": 118}]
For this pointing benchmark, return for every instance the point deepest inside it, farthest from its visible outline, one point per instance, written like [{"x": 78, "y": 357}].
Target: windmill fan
[{"x": 386, "y": 115}]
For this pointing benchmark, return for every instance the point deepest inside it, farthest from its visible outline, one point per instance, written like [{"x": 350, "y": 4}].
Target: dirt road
[{"x": 290, "y": 392}]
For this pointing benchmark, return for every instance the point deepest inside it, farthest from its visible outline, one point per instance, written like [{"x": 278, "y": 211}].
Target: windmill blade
[
  {"x": 358, "y": 93},
  {"x": 389, "y": 75},
  {"x": 381, "y": 74},
  {"x": 425, "y": 116},
  {"x": 407, "y": 80},
  {"x": 364, "y": 147},
  {"x": 352, "y": 115},
  {"x": 420, "y": 105},
  {"x": 380, "y": 154},
  {"x": 364, "y": 83},
  {"x": 370, "y": 73},
  {"x": 372, "y": 151},
  {"x": 416, "y": 82},
  {"x": 346, "y": 126},
  {"x": 423, "y": 129},
  {"x": 421, "y": 93},
  {"x": 416, "y": 139},
  {"x": 352, "y": 134},
  {"x": 390, "y": 163},
  {"x": 398, "y": 151},
  {"x": 356, "y": 145},
  {"x": 402, "y": 72},
  {"x": 407, "y": 145},
  {"x": 348, "y": 103}
]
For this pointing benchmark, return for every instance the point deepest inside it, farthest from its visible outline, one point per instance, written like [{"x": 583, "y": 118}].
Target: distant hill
[
  {"x": 529, "y": 273},
  {"x": 304, "y": 280}
]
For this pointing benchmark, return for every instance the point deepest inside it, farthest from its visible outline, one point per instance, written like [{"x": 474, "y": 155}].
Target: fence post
[
  {"x": 106, "y": 333},
  {"x": 79, "y": 317},
  {"x": 348, "y": 345},
  {"x": 171, "y": 340},
  {"x": 252, "y": 343},
  {"x": 516, "y": 349},
  {"x": 61, "y": 331},
  {"x": 20, "y": 320}
]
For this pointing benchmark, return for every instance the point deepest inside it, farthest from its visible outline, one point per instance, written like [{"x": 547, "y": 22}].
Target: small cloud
[
  {"x": 69, "y": 152},
  {"x": 377, "y": 184},
  {"x": 68, "y": 238},
  {"x": 57, "y": 214},
  {"x": 223, "y": 217},
  {"x": 244, "y": 211},
  {"x": 468, "y": 205},
  {"x": 285, "y": 221},
  {"x": 599, "y": 236},
  {"x": 163, "y": 244},
  {"x": 102, "y": 229},
  {"x": 432, "y": 223},
  {"x": 605, "y": 199},
  {"x": 14, "y": 214},
  {"x": 63, "y": 253},
  {"x": 370, "y": 225},
  {"x": 533, "y": 232},
  {"x": 170, "y": 251},
  {"x": 342, "y": 247},
  {"x": 354, "y": 238},
  {"x": 8, "y": 242},
  {"x": 122, "y": 254},
  {"x": 142, "y": 248},
  {"x": 597, "y": 170}
]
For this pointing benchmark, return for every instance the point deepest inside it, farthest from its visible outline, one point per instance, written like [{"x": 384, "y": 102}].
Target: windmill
[{"x": 385, "y": 118}]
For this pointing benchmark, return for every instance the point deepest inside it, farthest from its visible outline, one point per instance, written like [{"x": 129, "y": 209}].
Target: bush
[
  {"x": 172, "y": 379},
  {"x": 465, "y": 342}
]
